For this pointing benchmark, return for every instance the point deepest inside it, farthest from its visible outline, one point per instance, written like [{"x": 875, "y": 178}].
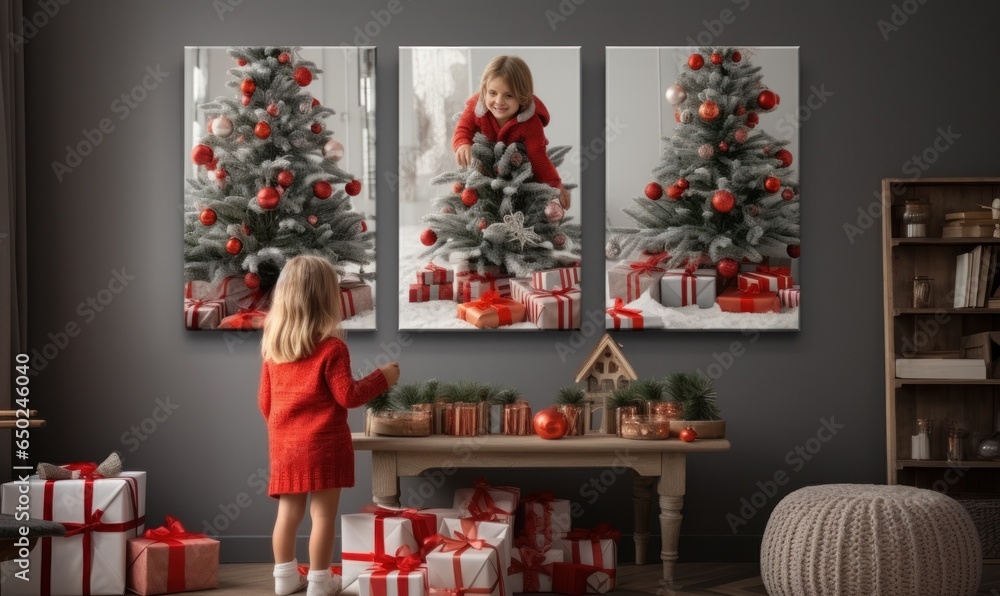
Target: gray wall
[{"x": 121, "y": 208}]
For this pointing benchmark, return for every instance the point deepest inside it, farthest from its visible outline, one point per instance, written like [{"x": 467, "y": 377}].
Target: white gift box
[
  {"x": 394, "y": 583},
  {"x": 547, "y": 516},
  {"x": 501, "y": 533},
  {"x": 601, "y": 553},
  {"x": 480, "y": 569},
  {"x": 519, "y": 567},
  {"x": 366, "y": 535},
  {"x": 473, "y": 501},
  {"x": 678, "y": 287},
  {"x": 100, "y": 516},
  {"x": 549, "y": 279}
]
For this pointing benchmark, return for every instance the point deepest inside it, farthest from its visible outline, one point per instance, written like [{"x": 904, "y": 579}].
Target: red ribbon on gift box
[
  {"x": 618, "y": 311},
  {"x": 461, "y": 542},
  {"x": 638, "y": 269},
  {"x": 564, "y": 304},
  {"x": 595, "y": 536},
  {"x": 439, "y": 274},
  {"x": 532, "y": 565},
  {"x": 774, "y": 270},
  {"x": 689, "y": 286},
  {"x": 424, "y": 524},
  {"x": 482, "y": 495},
  {"x": 172, "y": 533},
  {"x": 404, "y": 561},
  {"x": 571, "y": 578},
  {"x": 492, "y": 299},
  {"x": 531, "y": 523}
]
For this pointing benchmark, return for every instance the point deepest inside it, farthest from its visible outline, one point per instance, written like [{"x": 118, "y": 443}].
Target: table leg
[
  {"x": 671, "y": 490},
  {"x": 385, "y": 481},
  {"x": 642, "y": 499}
]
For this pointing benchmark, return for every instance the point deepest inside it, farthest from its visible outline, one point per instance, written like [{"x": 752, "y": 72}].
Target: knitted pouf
[{"x": 856, "y": 539}]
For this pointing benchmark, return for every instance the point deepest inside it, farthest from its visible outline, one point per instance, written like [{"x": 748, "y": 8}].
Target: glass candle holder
[
  {"x": 666, "y": 410},
  {"x": 623, "y": 413},
  {"x": 402, "y": 424},
  {"x": 922, "y": 286},
  {"x": 915, "y": 217},
  {"x": 574, "y": 419},
  {"x": 645, "y": 428},
  {"x": 956, "y": 444}
]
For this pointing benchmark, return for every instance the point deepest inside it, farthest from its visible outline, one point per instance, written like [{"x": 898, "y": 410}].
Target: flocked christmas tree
[
  {"x": 722, "y": 192},
  {"x": 497, "y": 215},
  {"x": 265, "y": 190}
]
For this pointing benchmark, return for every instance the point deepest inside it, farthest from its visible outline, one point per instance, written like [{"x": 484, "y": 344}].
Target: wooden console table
[{"x": 659, "y": 462}]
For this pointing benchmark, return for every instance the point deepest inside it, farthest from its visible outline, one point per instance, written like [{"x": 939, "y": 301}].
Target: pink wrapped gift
[
  {"x": 170, "y": 559},
  {"x": 435, "y": 274},
  {"x": 629, "y": 281},
  {"x": 597, "y": 547},
  {"x": 574, "y": 579},
  {"x": 202, "y": 308},
  {"x": 552, "y": 309},
  {"x": 789, "y": 297},
  {"x": 550, "y": 279},
  {"x": 619, "y": 317},
  {"x": 765, "y": 279},
  {"x": 682, "y": 287},
  {"x": 381, "y": 532},
  {"x": 100, "y": 515},
  {"x": 428, "y": 292},
  {"x": 401, "y": 575},
  {"x": 471, "y": 285},
  {"x": 531, "y": 568},
  {"x": 355, "y": 297}
]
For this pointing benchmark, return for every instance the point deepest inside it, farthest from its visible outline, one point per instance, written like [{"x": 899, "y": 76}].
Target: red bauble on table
[
  {"x": 785, "y": 156},
  {"x": 353, "y": 188},
  {"x": 208, "y": 217},
  {"x": 688, "y": 434},
  {"x": 251, "y": 280},
  {"x": 675, "y": 192},
  {"x": 202, "y": 154},
  {"x": 268, "y": 198},
  {"x": 727, "y": 268},
  {"x": 793, "y": 251},
  {"x": 285, "y": 178},
  {"x": 695, "y": 61},
  {"x": 767, "y": 100},
  {"x": 284, "y": 58},
  {"x": 234, "y": 246},
  {"x": 248, "y": 86},
  {"x": 457, "y": 187},
  {"x": 303, "y": 76},
  {"x": 322, "y": 189},
  {"x": 550, "y": 423},
  {"x": 716, "y": 58},
  {"x": 723, "y": 201},
  {"x": 788, "y": 194},
  {"x": 772, "y": 184},
  {"x": 682, "y": 183},
  {"x": 428, "y": 237},
  {"x": 653, "y": 191},
  {"x": 262, "y": 130},
  {"x": 752, "y": 119},
  {"x": 708, "y": 110},
  {"x": 470, "y": 197},
  {"x": 316, "y": 128}
]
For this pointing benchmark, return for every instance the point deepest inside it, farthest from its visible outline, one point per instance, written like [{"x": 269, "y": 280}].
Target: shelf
[
  {"x": 949, "y": 311},
  {"x": 942, "y": 241},
  {"x": 901, "y": 382},
  {"x": 936, "y": 463}
]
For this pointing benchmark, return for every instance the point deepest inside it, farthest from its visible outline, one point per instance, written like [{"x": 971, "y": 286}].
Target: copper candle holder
[
  {"x": 620, "y": 415},
  {"x": 464, "y": 420},
  {"x": 666, "y": 410},
  {"x": 574, "y": 419},
  {"x": 645, "y": 428}
]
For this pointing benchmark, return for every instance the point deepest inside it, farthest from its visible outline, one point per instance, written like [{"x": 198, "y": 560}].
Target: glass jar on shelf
[
  {"x": 920, "y": 443},
  {"x": 956, "y": 444},
  {"x": 922, "y": 286},
  {"x": 915, "y": 217}
]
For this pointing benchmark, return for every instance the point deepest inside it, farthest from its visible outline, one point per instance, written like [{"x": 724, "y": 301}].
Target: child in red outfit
[
  {"x": 306, "y": 386},
  {"x": 507, "y": 111}
]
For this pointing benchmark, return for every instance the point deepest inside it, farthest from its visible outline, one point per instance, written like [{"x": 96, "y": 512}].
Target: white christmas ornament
[
  {"x": 676, "y": 94},
  {"x": 222, "y": 127},
  {"x": 687, "y": 116},
  {"x": 554, "y": 212},
  {"x": 333, "y": 150}
]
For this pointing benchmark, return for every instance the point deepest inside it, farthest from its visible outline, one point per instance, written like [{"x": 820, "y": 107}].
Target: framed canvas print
[
  {"x": 702, "y": 192},
  {"x": 489, "y": 197},
  {"x": 279, "y": 162}
]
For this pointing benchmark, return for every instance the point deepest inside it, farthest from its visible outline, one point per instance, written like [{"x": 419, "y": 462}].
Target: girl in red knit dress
[
  {"x": 306, "y": 386},
  {"x": 506, "y": 110}
]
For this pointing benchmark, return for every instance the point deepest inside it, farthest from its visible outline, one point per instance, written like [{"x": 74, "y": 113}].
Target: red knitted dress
[{"x": 305, "y": 405}]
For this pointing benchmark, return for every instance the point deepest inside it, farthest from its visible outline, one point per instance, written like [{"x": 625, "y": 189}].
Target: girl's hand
[
  {"x": 391, "y": 372},
  {"x": 463, "y": 155},
  {"x": 564, "y": 199}
]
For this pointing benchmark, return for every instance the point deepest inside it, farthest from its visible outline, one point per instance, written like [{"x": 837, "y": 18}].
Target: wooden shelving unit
[{"x": 975, "y": 404}]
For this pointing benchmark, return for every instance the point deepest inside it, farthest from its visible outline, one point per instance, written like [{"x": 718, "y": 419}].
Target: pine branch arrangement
[
  {"x": 506, "y": 396},
  {"x": 696, "y": 392},
  {"x": 622, "y": 397},
  {"x": 648, "y": 390},
  {"x": 572, "y": 395}
]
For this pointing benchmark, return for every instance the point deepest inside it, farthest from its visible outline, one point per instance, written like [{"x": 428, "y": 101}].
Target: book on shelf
[
  {"x": 976, "y": 279},
  {"x": 969, "y": 231},
  {"x": 968, "y": 215},
  {"x": 969, "y": 224},
  {"x": 940, "y": 368}
]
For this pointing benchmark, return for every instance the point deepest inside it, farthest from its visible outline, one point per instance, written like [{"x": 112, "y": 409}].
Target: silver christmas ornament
[
  {"x": 687, "y": 116},
  {"x": 676, "y": 94},
  {"x": 612, "y": 250}
]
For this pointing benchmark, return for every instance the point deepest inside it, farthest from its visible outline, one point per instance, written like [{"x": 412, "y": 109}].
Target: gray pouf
[{"x": 854, "y": 539}]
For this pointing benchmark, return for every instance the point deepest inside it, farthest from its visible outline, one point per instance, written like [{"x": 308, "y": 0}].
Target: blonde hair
[
  {"x": 305, "y": 310},
  {"x": 515, "y": 72}
]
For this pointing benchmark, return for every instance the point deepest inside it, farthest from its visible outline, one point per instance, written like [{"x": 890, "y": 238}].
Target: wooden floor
[{"x": 695, "y": 579}]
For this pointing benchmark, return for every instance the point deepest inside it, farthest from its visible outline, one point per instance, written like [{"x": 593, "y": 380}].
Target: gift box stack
[
  {"x": 207, "y": 304},
  {"x": 355, "y": 296},
  {"x": 104, "y": 549},
  {"x": 433, "y": 283},
  {"x": 766, "y": 289},
  {"x": 484, "y": 298},
  {"x": 551, "y": 298},
  {"x": 470, "y": 548}
]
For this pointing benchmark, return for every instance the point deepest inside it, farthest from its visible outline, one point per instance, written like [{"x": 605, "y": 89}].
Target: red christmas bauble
[
  {"x": 752, "y": 119},
  {"x": 248, "y": 86},
  {"x": 793, "y": 251},
  {"x": 207, "y": 217},
  {"x": 550, "y": 423},
  {"x": 210, "y": 166},
  {"x": 316, "y": 128},
  {"x": 777, "y": 99},
  {"x": 695, "y": 61},
  {"x": 322, "y": 189},
  {"x": 251, "y": 280},
  {"x": 785, "y": 156},
  {"x": 653, "y": 191},
  {"x": 285, "y": 178},
  {"x": 202, "y": 155},
  {"x": 727, "y": 268},
  {"x": 245, "y": 229},
  {"x": 751, "y": 210},
  {"x": 457, "y": 187},
  {"x": 262, "y": 130},
  {"x": 268, "y": 197},
  {"x": 767, "y": 100},
  {"x": 558, "y": 240},
  {"x": 353, "y": 188},
  {"x": 284, "y": 57},
  {"x": 481, "y": 225},
  {"x": 688, "y": 434},
  {"x": 241, "y": 62},
  {"x": 682, "y": 183},
  {"x": 312, "y": 219},
  {"x": 736, "y": 57},
  {"x": 708, "y": 110},
  {"x": 716, "y": 59},
  {"x": 772, "y": 184},
  {"x": 428, "y": 237},
  {"x": 234, "y": 246},
  {"x": 470, "y": 197},
  {"x": 675, "y": 192},
  {"x": 245, "y": 100},
  {"x": 788, "y": 194},
  {"x": 677, "y": 115},
  {"x": 723, "y": 201},
  {"x": 273, "y": 109},
  {"x": 220, "y": 175},
  {"x": 303, "y": 76},
  {"x": 740, "y": 110},
  {"x": 723, "y": 146},
  {"x": 315, "y": 102},
  {"x": 741, "y": 134},
  {"x": 364, "y": 226}
]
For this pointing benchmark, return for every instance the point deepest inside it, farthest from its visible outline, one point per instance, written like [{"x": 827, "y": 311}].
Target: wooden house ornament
[{"x": 605, "y": 370}]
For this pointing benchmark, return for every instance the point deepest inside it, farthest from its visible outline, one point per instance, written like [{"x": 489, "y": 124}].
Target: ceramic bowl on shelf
[{"x": 645, "y": 428}]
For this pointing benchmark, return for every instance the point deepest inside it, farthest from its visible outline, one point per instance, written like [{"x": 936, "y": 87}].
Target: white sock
[
  {"x": 287, "y": 579},
  {"x": 323, "y": 583}
]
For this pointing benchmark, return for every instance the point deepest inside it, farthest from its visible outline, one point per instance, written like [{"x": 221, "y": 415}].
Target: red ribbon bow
[
  {"x": 531, "y": 564},
  {"x": 72, "y": 528},
  {"x": 489, "y": 299},
  {"x": 774, "y": 270},
  {"x": 619, "y": 309},
  {"x": 424, "y": 524},
  {"x": 482, "y": 494},
  {"x": 405, "y": 560},
  {"x": 88, "y": 470},
  {"x": 645, "y": 267},
  {"x": 433, "y": 267},
  {"x": 602, "y": 531},
  {"x": 172, "y": 529}
]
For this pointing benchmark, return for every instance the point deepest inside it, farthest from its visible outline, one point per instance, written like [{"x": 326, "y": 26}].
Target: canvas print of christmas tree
[
  {"x": 488, "y": 188},
  {"x": 702, "y": 195},
  {"x": 279, "y": 156}
]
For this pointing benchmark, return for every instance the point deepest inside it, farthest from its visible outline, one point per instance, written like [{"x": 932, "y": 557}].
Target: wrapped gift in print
[
  {"x": 789, "y": 297},
  {"x": 428, "y": 292},
  {"x": 531, "y": 568},
  {"x": 597, "y": 547},
  {"x": 380, "y": 532},
  {"x": 683, "y": 287},
  {"x": 733, "y": 300},
  {"x": 631, "y": 280},
  {"x": 574, "y": 579},
  {"x": 251, "y": 313},
  {"x": 471, "y": 283},
  {"x": 619, "y": 317},
  {"x": 552, "y": 309},
  {"x": 550, "y": 279},
  {"x": 355, "y": 297},
  {"x": 765, "y": 279},
  {"x": 491, "y": 311},
  {"x": 99, "y": 513},
  {"x": 402, "y": 574},
  {"x": 435, "y": 274},
  {"x": 205, "y": 304},
  {"x": 170, "y": 559},
  {"x": 468, "y": 564}
]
